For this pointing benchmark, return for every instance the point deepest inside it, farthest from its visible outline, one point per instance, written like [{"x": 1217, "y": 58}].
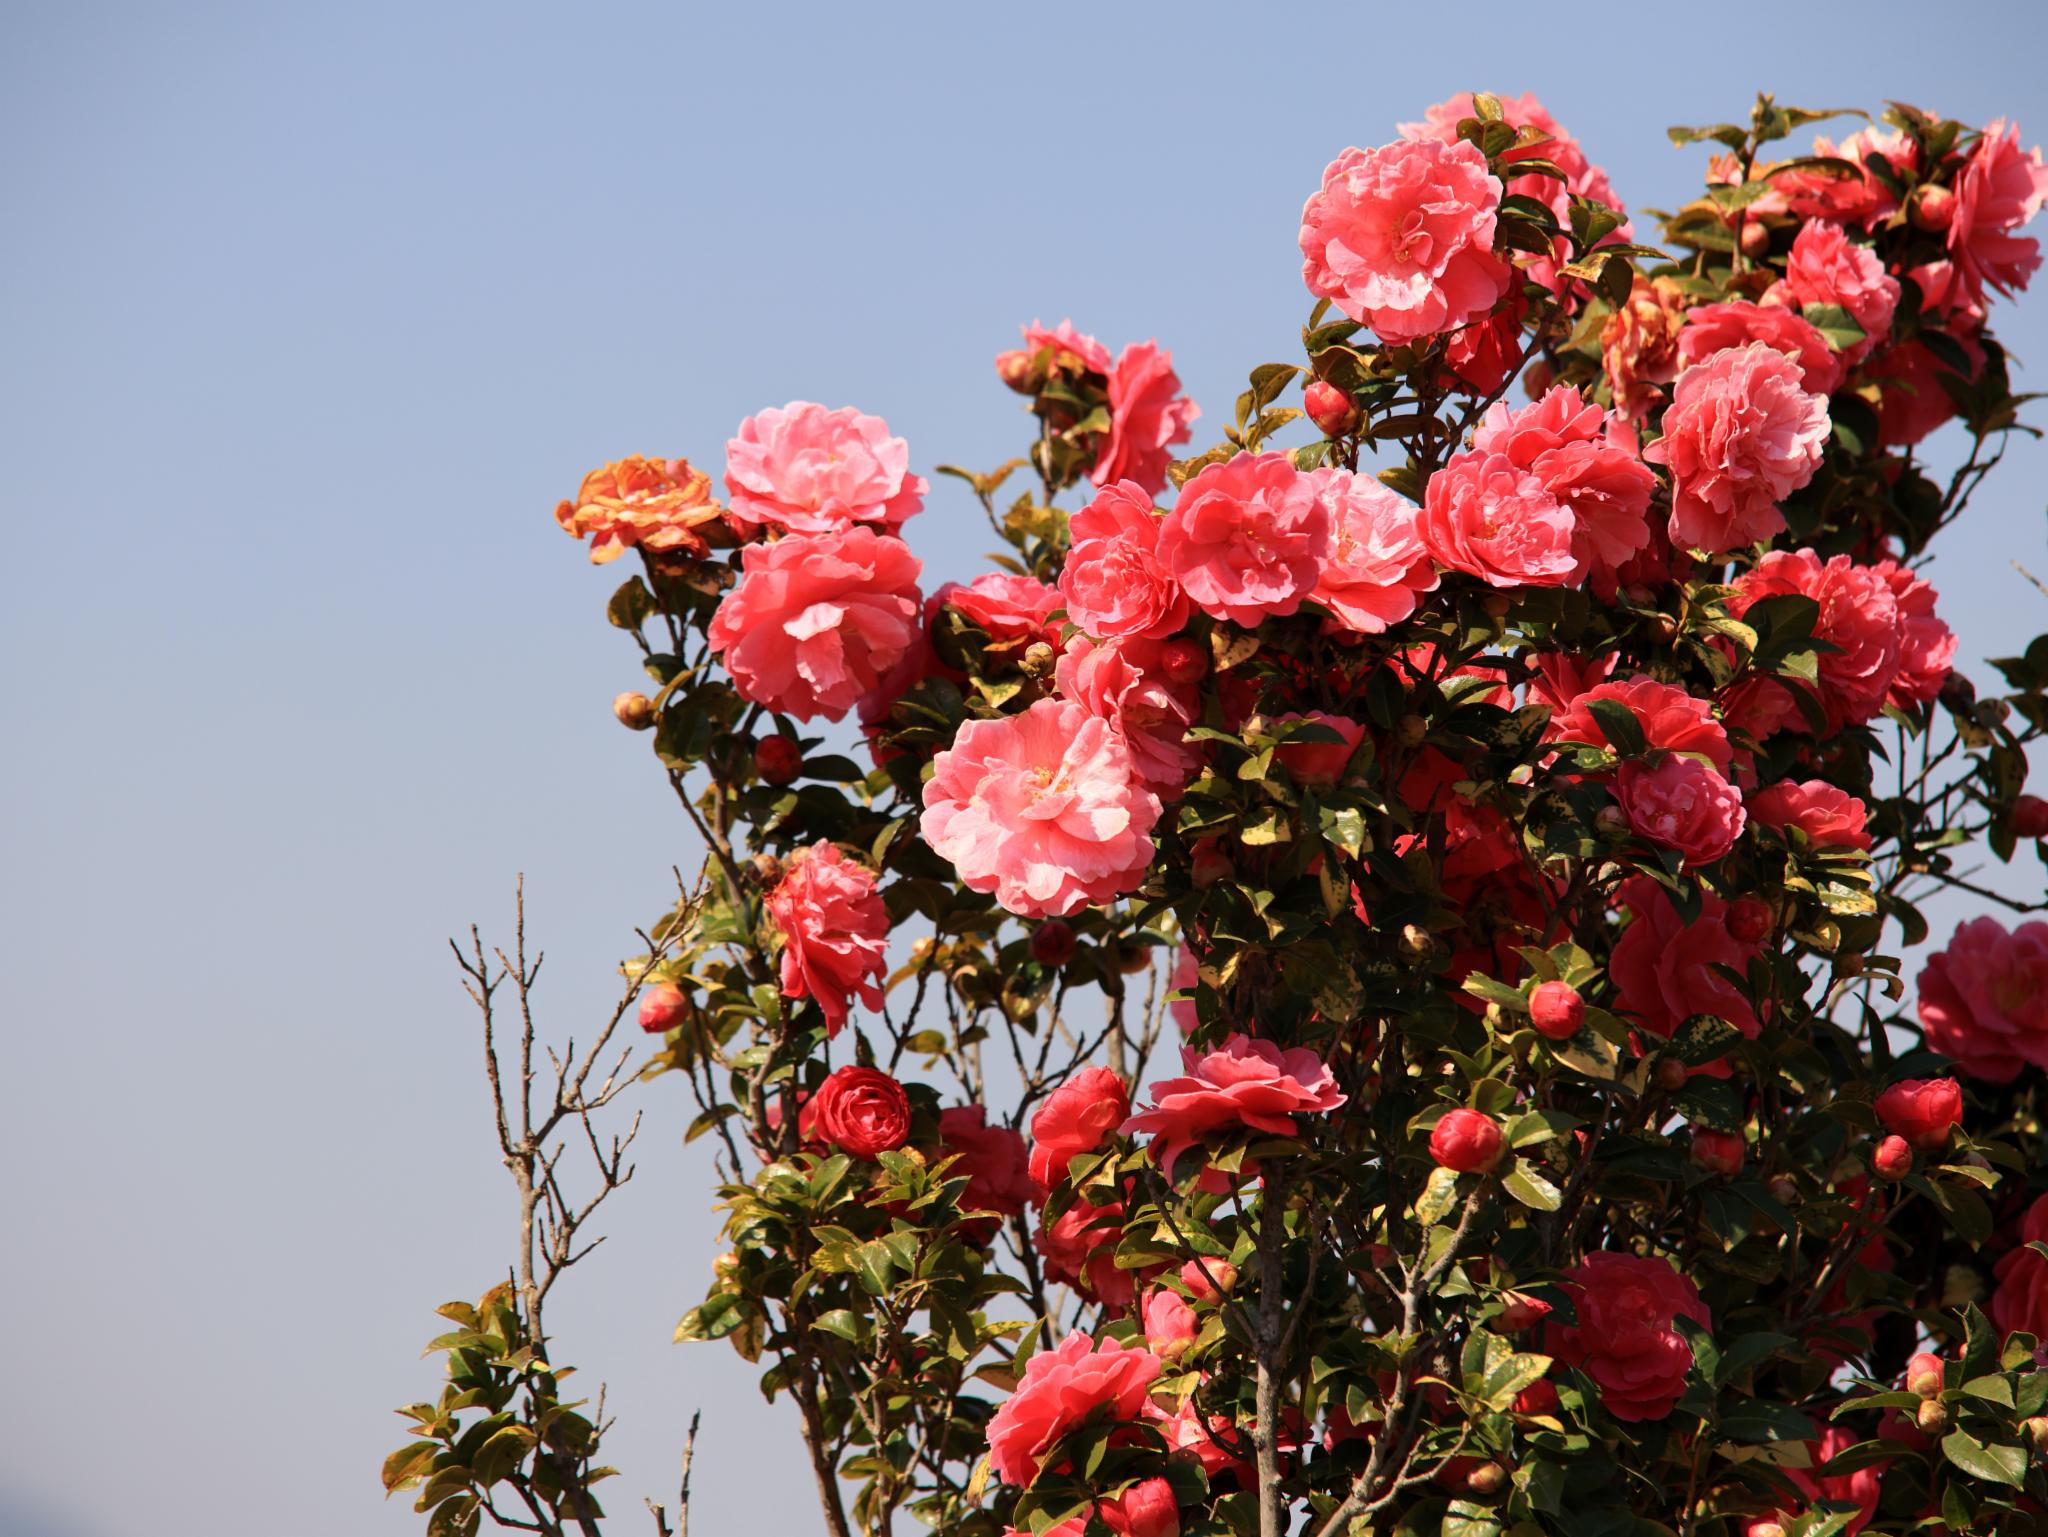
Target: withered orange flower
[{"x": 656, "y": 504}]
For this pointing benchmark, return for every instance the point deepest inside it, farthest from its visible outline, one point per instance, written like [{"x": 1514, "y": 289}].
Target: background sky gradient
[{"x": 310, "y": 315}]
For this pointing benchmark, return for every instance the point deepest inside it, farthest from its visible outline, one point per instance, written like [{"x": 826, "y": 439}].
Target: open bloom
[
  {"x": 1626, "y": 1337},
  {"x": 817, "y": 620},
  {"x": 992, "y": 1157},
  {"x": 1927, "y": 646},
  {"x": 1011, "y": 609},
  {"x": 1242, "y": 1083},
  {"x": 859, "y": 1110},
  {"x": 1830, "y": 818},
  {"x": 835, "y": 931},
  {"x": 2002, "y": 187},
  {"x": 1147, "y": 416},
  {"x": 2020, "y": 1300},
  {"x": 1671, "y": 719},
  {"x": 1859, "y": 618},
  {"x": 1682, "y": 804},
  {"x": 1079, "y": 1249},
  {"x": 807, "y": 470},
  {"x": 1712, "y": 328},
  {"x": 1247, "y": 538},
  {"x": 1984, "y": 999},
  {"x": 1922, "y": 1110},
  {"x": 654, "y": 504},
  {"x": 1076, "y": 1118},
  {"x": 1742, "y": 434},
  {"x": 1666, "y": 970},
  {"x": 1827, "y": 267},
  {"x": 1569, "y": 444},
  {"x": 1113, "y": 581},
  {"x": 1062, "y": 1387},
  {"x": 1639, "y": 345},
  {"x": 1400, "y": 238},
  {"x": 1485, "y": 515},
  {"x": 1044, "y": 809},
  {"x": 1124, "y": 682},
  {"x": 1377, "y": 568}
]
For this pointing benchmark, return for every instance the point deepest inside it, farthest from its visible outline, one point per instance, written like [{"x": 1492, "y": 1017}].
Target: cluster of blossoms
[{"x": 1510, "y": 797}]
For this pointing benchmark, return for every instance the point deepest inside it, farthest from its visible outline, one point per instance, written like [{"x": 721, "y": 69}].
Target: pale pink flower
[
  {"x": 835, "y": 931},
  {"x": 817, "y": 620},
  {"x": 1242, "y": 1083},
  {"x": 1400, "y": 238},
  {"x": 1113, "y": 582},
  {"x": 1043, "y": 809},
  {"x": 1741, "y": 435},
  {"x": 1587, "y": 460},
  {"x": 1377, "y": 568},
  {"x": 1827, "y": 267},
  {"x": 1147, "y": 416},
  {"x": 807, "y": 470},
  {"x": 1713, "y": 328},
  {"x": 1927, "y": 646},
  {"x": 1485, "y": 515},
  {"x": 1124, "y": 683},
  {"x": 2001, "y": 188},
  {"x": 1247, "y": 538},
  {"x": 1682, "y": 804}
]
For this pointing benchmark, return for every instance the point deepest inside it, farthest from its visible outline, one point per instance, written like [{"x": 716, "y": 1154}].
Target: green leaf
[
  {"x": 1529, "y": 1187},
  {"x": 1438, "y": 1196},
  {"x": 1999, "y": 1464}
]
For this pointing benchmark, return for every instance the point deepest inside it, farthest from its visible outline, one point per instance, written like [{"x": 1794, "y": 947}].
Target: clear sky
[{"x": 310, "y": 314}]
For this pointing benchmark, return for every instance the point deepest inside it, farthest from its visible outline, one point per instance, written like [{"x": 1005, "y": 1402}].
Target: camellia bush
[{"x": 1351, "y": 983}]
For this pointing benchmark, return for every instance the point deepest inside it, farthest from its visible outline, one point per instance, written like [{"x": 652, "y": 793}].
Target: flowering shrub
[{"x": 1510, "y": 800}]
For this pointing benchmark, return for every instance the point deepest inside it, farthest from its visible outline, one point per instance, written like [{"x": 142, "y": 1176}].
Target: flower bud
[
  {"x": 1749, "y": 920},
  {"x": 1020, "y": 371},
  {"x": 1784, "y": 1189},
  {"x": 2030, "y": 817},
  {"x": 1521, "y": 1312},
  {"x": 1932, "y": 208},
  {"x": 766, "y": 870},
  {"x": 2036, "y": 1427},
  {"x": 1039, "y": 659},
  {"x": 1893, "y": 1160},
  {"x": 1132, "y": 959},
  {"x": 1411, "y": 731},
  {"x": 1924, "y": 1375},
  {"x": 1958, "y": 693},
  {"x": 1611, "y": 822},
  {"x": 1209, "y": 1280},
  {"x": 1052, "y": 944},
  {"x": 635, "y": 711},
  {"x": 1718, "y": 1152},
  {"x": 778, "y": 760},
  {"x": 1556, "y": 1010},
  {"x": 662, "y": 1008},
  {"x": 1335, "y": 413},
  {"x": 1764, "y": 1526},
  {"x": 1183, "y": 661},
  {"x": 1932, "y": 1417},
  {"x": 1416, "y": 944},
  {"x": 1756, "y": 239},
  {"x": 1486, "y": 1480},
  {"x": 1670, "y": 1074},
  {"x": 1497, "y": 605},
  {"x": 1537, "y": 377},
  {"x": 726, "y": 1266},
  {"x": 1466, "y": 1141}
]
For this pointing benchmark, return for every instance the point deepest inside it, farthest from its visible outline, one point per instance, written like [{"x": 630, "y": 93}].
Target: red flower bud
[
  {"x": 1893, "y": 1159},
  {"x": 1670, "y": 1074},
  {"x": 1208, "y": 1280},
  {"x": 1052, "y": 944},
  {"x": 1210, "y": 864},
  {"x": 1718, "y": 1152},
  {"x": 1556, "y": 1010},
  {"x": 662, "y": 1008},
  {"x": 2030, "y": 817},
  {"x": 1924, "y": 1375},
  {"x": 1933, "y": 209},
  {"x": 1183, "y": 661},
  {"x": 1749, "y": 920},
  {"x": 1466, "y": 1140},
  {"x": 635, "y": 711},
  {"x": 1333, "y": 411},
  {"x": 1756, "y": 239},
  {"x": 1521, "y": 1312},
  {"x": 778, "y": 760},
  {"x": 1922, "y": 1110}
]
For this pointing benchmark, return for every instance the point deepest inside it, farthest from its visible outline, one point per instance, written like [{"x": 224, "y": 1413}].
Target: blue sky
[{"x": 310, "y": 315}]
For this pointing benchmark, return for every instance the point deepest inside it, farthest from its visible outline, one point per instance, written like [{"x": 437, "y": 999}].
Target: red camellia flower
[
  {"x": 1830, "y": 818},
  {"x": 1682, "y": 804},
  {"x": 1984, "y": 1000},
  {"x": 1720, "y": 1152},
  {"x": 1665, "y": 969},
  {"x": 1859, "y": 618},
  {"x": 2020, "y": 1301},
  {"x": 835, "y": 931},
  {"x": 1893, "y": 1159},
  {"x": 1625, "y": 1338},
  {"x": 1927, "y": 647},
  {"x": 1672, "y": 720},
  {"x": 1062, "y": 1387},
  {"x": 859, "y": 1110},
  {"x": 1079, "y": 1248},
  {"x": 1922, "y": 1110},
  {"x": 1466, "y": 1141},
  {"x": 992, "y": 1157},
  {"x": 1556, "y": 1010},
  {"x": 1247, "y": 538},
  {"x": 1113, "y": 582},
  {"x": 1319, "y": 765},
  {"x": 1243, "y": 1082},
  {"x": 1076, "y": 1118},
  {"x": 1146, "y": 1509}
]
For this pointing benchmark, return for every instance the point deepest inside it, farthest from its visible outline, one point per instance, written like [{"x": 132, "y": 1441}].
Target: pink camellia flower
[
  {"x": 2001, "y": 188},
  {"x": 1830, "y": 818},
  {"x": 1170, "y": 1324},
  {"x": 1062, "y": 1387},
  {"x": 1011, "y": 609},
  {"x": 1044, "y": 809},
  {"x": 1186, "y": 976},
  {"x": 1066, "y": 350},
  {"x": 1079, "y": 1249},
  {"x": 835, "y": 931},
  {"x": 1984, "y": 999},
  {"x": 806, "y": 470},
  {"x": 1125, "y": 683},
  {"x": 1664, "y": 968},
  {"x": 1859, "y": 200},
  {"x": 1672, "y": 720},
  {"x": 1147, "y": 416},
  {"x": 817, "y": 620},
  {"x": 1400, "y": 238},
  {"x": 1827, "y": 267},
  {"x": 1146, "y": 1509},
  {"x": 1859, "y": 617},
  {"x": 992, "y": 1157},
  {"x": 859, "y": 1110},
  {"x": 1247, "y": 538},
  {"x": 1484, "y": 515},
  {"x": 2019, "y": 1303},
  {"x": 1569, "y": 444},
  {"x": 1319, "y": 765},
  {"x": 1639, "y": 345},
  {"x": 1912, "y": 400},
  {"x": 1927, "y": 647},
  {"x": 1208, "y": 1280},
  {"x": 1712, "y": 328},
  {"x": 1559, "y": 677},
  {"x": 1483, "y": 354},
  {"x": 1922, "y": 1110},
  {"x": 1682, "y": 804},
  {"x": 1625, "y": 1338},
  {"x": 1741, "y": 435},
  {"x": 1243, "y": 1082},
  {"x": 1076, "y": 1118},
  {"x": 1113, "y": 582},
  {"x": 1377, "y": 568}
]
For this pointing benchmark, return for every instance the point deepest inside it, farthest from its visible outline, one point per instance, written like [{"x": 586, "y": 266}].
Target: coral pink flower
[
  {"x": 1012, "y": 610},
  {"x": 1927, "y": 647},
  {"x": 1484, "y": 515},
  {"x": 992, "y": 1157},
  {"x": 1076, "y": 1118},
  {"x": 1984, "y": 999},
  {"x": 1063, "y": 346},
  {"x": 1639, "y": 345},
  {"x": 1830, "y": 818},
  {"x": 1741, "y": 435},
  {"x": 1377, "y": 568},
  {"x": 1912, "y": 400},
  {"x": 655, "y": 504},
  {"x": 2020, "y": 1302},
  {"x": 1625, "y": 1338},
  {"x": 1861, "y": 200},
  {"x": 1170, "y": 1324},
  {"x": 1559, "y": 677},
  {"x": 1146, "y": 1509},
  {"x": 1147, "y": 416},
  {"x": 1827, "y": 267},
  {"x": 1079, "y": 1249},
  {"x": 1859, "y": 617},
  {"x": 1682, "y": 804},
  {"x": 1062, "y": 1387},
  {"x": 1113, "y": 582},
  {"x": 1319, "y": 765},
  {"x": 1483, "y": 354},
  {"x": 807, "y": 470},
  {"x": 1665, "y": 969},
  {"x": 2001, "y": 188},
  {"x": 835, "y": 931},
  {"x": 1713, "y": 328},
  {"x": 1243, "y": 1082},
  {"x": 1043, "y": 809},
  {"x": 1671, "y": 719},
  {"x": 817, "y": 620},
  {"x": 1247, "y": 538},
  {"x": 1570, "y": 445},
  {"x": 1400, "y": 238},
  {"x": 1124, "y": 682}
]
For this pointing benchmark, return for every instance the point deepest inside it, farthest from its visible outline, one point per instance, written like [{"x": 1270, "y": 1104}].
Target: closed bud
[
  {"x": 778, "y": 760},
  {"x": 1932, "y": 1417},
  {"x": 1670, "y": 1074},
  {"x": 1556, "y": 1010},
  {"x": 1520, "y": 1311},
  {"x": 766, "y": 870},
  {"x": 1209, "y": 1280},
  {"x": 1335, "y": 413},
  {"x": 1749, "y": 920},
  {"x": 1039, "y": 659},
  {"x": 1416, "y": 944},
  {"x": 1497, "y": 605},
  {"x": 2030, "y": 817},
  {"x": 1893, "y": 1160},
  {"x": 1466, "y": 1141},
  {"x": 635, "y": 711},
  {"x": 1183, "y": 661},
  {"x": 1784, "y": 1189},
  {"x": 2036, "y": 1427},
  {"x": 1209, "y": 864},
  {"x": 1756, "y": 239},
  {"x": 1132, "y": 959},
  {"x": 1486, "y": 1480},
  {"x": 726, "y": 1266},
  {"x": 1539, "y": 1397},
  {"x": 1052, "y": 943},
  {"x": 1923, "y": 1375},
  {"x": 1020, "y": 371},
  {"x": 1932, "y": 208},
  {"x": 1764, "y": 1526},
  {"x": 1612, "y": 823},
  {"x": 662, "y": 1008},
  {"x": 1411, "y": 731}
]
